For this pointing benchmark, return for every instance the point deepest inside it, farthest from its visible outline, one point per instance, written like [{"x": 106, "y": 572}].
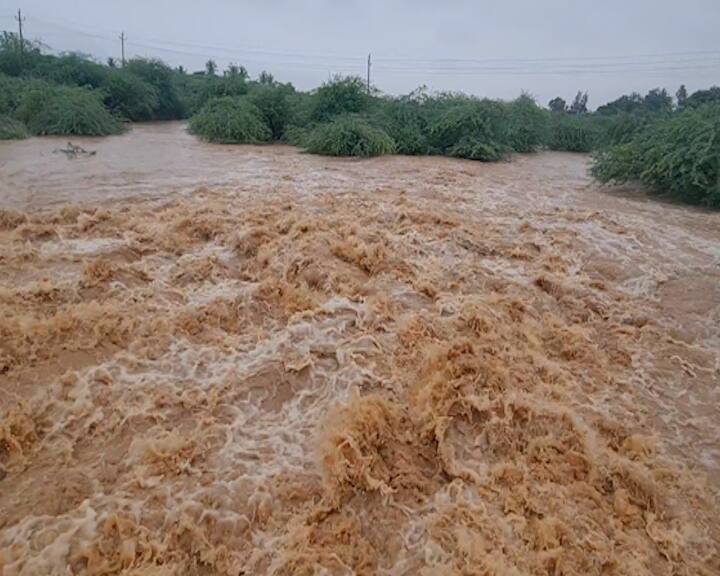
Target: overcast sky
[{"x": 488, "y": 48}]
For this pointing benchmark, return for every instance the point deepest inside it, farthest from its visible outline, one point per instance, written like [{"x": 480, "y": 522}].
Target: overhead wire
[{"x": 648, "y": 63}]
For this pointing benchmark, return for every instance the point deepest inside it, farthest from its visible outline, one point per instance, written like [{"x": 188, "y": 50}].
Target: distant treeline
[{"x": 670, "y": 145}]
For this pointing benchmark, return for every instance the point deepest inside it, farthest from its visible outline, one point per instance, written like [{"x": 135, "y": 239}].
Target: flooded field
[{"x": 248, "y": 360}]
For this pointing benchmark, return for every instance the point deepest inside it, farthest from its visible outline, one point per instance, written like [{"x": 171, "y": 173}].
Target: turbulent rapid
[{"x": 246, "y": 360}]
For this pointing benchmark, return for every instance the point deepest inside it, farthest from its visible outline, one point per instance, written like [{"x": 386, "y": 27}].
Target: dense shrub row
[
  {"x": 230, "y": 120},
  {"x": 669, "y": 145},
  {"x": 142, "y": 90},
  {"x": 678, "y": 155},
  {"x": 348, "y": 136}
]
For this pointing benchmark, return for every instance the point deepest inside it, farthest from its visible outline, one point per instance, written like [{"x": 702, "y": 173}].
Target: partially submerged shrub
[
  {"x": 527, "y": 124},
  {"x": 230, "y": 120},
  {"x": 679, "y": 155},
  {"x": 130, "y": 95},
  {"x": 473, "y": 149},
  {"x": 348, "y": 136},
  {"x": 473, "y": 129},
  {"x": 274, "y": 104},
  {"x": 66, "y": 110},
  {"x": 571, "y": 133},
  {"x": 11, "y": 129}
]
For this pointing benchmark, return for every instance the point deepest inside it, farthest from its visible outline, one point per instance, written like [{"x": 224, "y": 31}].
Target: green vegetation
[
  {"x": 66, "y": 110},
  {"x": 129, "y": 96},
  {"x": 677, "y": 155},
  {"x": 570, "y": 133},
  {"x": 348, "y": 136},
  {"x": 230, "y": 120},
  {"x": 11, "y": 129},
  {"x": 670, "y": 145}
]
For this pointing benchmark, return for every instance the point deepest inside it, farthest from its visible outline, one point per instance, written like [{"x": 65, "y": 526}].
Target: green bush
[
  {"x": 11, "y": 129},
  {"x": 230, "y": 120},
  {"x": 71, "y": 70},
  {"x": 527, "y": 125},
  {"x": 274, "y": 104},
  {"x": 405, "y": 121},
  {"x": 12, "y": 61},
  {"x": 160, "y": 77},
  {"x": 678, "y": 155},
  {"x": 573, "y": 133},
  {"x": 11, "y": 91},
  {"x": 348, "y": 136},
  {"x": 703, "y": 97},
  {"x": 130, "y": 96},
  {"x": 340, "y": 96},
  {"x": 469, "y": 128},
  {"x": 620, "y": 128},
  {"x": 66, "y": 110}
]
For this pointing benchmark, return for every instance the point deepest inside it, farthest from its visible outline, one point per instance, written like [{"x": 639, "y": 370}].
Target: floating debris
[{"x": 73, "y": 151}]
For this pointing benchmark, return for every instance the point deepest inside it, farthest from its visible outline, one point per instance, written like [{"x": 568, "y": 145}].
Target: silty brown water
[{"x": 248, "y": 360}]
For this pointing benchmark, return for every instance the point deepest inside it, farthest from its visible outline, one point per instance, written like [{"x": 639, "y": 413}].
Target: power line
[
  {"x": 556, "y": 66},
  {"x": 609, "y": 59}
]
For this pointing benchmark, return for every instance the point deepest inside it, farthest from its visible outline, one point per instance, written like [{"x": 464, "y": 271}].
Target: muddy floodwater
[{"x": 249, "y": 360}]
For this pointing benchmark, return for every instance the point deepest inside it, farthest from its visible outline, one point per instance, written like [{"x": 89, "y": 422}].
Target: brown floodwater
[{"x": 250, "y": 360}]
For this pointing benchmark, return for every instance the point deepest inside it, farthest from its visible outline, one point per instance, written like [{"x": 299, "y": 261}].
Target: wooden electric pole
[
  {"x": 368, "y": 74},
  {"x": 20, "y": 21},
  {"x": 122, "y": 48}
]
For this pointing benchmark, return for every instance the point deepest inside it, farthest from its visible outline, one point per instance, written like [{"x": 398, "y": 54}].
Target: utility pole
[
  {"x": 122, "y": 48},
  {"x": 20, "y": 21},
  {"x": 368, "y": 74}
]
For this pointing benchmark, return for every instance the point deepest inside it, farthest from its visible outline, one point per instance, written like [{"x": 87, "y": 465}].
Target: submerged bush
[
  {"x": 527, "y": 124},
  {"x": 273, "y": 101},
  {"x": 473, "y": 129},
  {"x": 11, "y": 129},
  {"x": 230, "y": 120},
  {"x": 472, "y": 149},
  {"x": 678, "y": 155},
  {"x": 130, "y": 96},
  {"x": 348, "y": 136},
  {"x": 573, "y": 133},
  {"x": 66, "y": 110}
]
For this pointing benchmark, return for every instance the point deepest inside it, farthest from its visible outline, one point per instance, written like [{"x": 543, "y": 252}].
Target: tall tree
[
  {"x": 681, "y": 96},
  {"x": 266, "y": 78},
  {"x": 210, "y": 67},
  {"x": 579, "y": 105},
  {"x": 235, "y": 70},
  {"x": 657, "y": 100},
  {"x": 557, "y": 105}
]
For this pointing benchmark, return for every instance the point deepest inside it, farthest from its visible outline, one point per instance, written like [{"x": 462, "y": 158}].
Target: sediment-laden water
[{"x": 247, "y": 360}]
